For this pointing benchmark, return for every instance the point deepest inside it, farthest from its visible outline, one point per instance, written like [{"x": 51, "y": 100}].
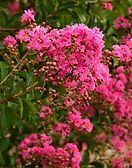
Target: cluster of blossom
[
  {"x": 62, "y": 129},
  {"x": 118, "y": 94},
  {"x": 107, "y": 6},
  {"x": 14, "y": 7},
  {"x": 81, "y": 124},
  {"x": 122, "y": 23},
  {"x": 9, "y": 41},
  {"x": 123, "y": 52},
  {"x": 76, "y": 50},
  {"x": 45, "y": 112},
  {"x": 126, "y": 40},
  {"x": 37, "y": 150}
]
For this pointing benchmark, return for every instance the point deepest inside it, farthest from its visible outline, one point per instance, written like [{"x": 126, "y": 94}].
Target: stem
[
  {"x": 14, "y": 69},
  {"x": 28, "y": 89},
  {"x": 9, "y": 29}
]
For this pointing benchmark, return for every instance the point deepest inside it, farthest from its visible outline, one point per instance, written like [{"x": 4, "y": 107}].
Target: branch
[
  {"x": 9, "y": 29},
  {"x": 14, "y": 68}
]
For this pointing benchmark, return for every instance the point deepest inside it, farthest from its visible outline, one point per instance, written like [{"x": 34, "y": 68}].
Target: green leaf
[
  {"x": 97, "y": 164},
  {"x": 20, "y": 107},
  {"x": 28, "y": 108},
  {"x": 3, "y": 69},
  {"x": 2, "y": 161},
  {"x": 81, "y": 14},
  {"x": 4, "y": 144},
  {"x": 7, "y": 116}
]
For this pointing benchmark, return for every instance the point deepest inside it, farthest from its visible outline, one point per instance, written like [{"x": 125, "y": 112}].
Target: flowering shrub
[{"x": 65, "y": 95}]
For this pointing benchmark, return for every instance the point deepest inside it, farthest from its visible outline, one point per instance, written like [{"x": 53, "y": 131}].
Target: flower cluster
[
  {"x": 28, "y": 16},
  {"x": 45, "y": 112},
  {"x": 76, "y": 50},
  {"x": 9, "y": 41},
  {"x": 62, "y": 129},
  {"x": 107, "y": 6},
  {"x": 75, "y": 120},
  {"x": 37, "y": 150},
  {"x": 123, "y": 52},
  {"x": 122, "y": 23}
]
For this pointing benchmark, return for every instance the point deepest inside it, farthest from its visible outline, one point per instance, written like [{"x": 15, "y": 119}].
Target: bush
[{"x": 65, "y": 84}]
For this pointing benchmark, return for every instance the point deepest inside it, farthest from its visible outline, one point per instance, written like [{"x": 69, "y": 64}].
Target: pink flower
[
  {"x": 45, "y": 112},
  {"x": 117, "y": 143},
  {"x": 46, "y": 109},
  {"x": 121, "y": 22},
  {"x": 130, "y": 10},
  {"x": 117, "y": 163},
  {"x": 13, "y": 7},
  {"x": 69, "y": 102},
  {"x": 123, "y": 52},
  {"x": 86, "y": 125},
  {"x": 28, "y": 16},
  {"x": 23, "y": 35},
  {"x": 9, "y": 41},
  {"x": 62, "y": 128},
  {"x": 107, "y": 6},
  {"x": 42, "y": 115},
  {"x": 82, "y": 125},
  {"x": 43, "y": 153},
  {"x": 74, "y": 155}
]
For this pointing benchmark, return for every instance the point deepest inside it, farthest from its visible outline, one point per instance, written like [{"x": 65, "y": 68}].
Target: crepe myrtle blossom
[
  {"x": 117, "y": 143},
  {"x": 13, "y": 7},
  {"x": 39, "y": 148},
  {"x": 9, "y": 41},
  {"x": 45, "y": 112},
  {"x": 107, "y": 6},
  {"x": 28, "y": 16},
  {"x": 81, "y": 124},
  {"x": 117, "y": 162},
  {"x": 61, "y": 128},
  {"x": 121, "y": 23}
]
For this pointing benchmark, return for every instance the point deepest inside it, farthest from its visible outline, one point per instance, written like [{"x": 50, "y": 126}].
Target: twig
[
  {"x": 14, "y": 68},
  {"x": 9, "y": 29}
]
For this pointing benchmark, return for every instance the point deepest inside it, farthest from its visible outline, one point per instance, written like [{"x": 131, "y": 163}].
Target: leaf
[
  {"x": 81, "y": 14},
  {"x": 97, "y": 164},
  {"x": 28, "y": 108},
  {"x": 20, "y": 107},
  {"x": 4, "y": 144},
  {"x": 7, "y": 116},
  {"x": 3, "y": 69},
  {"x": 2, "y": 161}
]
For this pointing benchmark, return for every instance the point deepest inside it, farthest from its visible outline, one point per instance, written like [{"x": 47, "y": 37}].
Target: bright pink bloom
[
  {"x": 123, "y": 52},
  {"x": 28, "y": 16},
  {"x": 9, "y": 41},
  {"x": 40, "y": 151},
  {"x": 23, "y": 35},
  {"x": 121, "y": 22},
  {"x": 75, "y": 119},
  {"x": 107, "y": 6},
  {"x": 117, "y": 163},
  {"x": 62, "y": 128},
  {"x": 117, "y": 143},
  {"x": 13, "y": 7}
]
